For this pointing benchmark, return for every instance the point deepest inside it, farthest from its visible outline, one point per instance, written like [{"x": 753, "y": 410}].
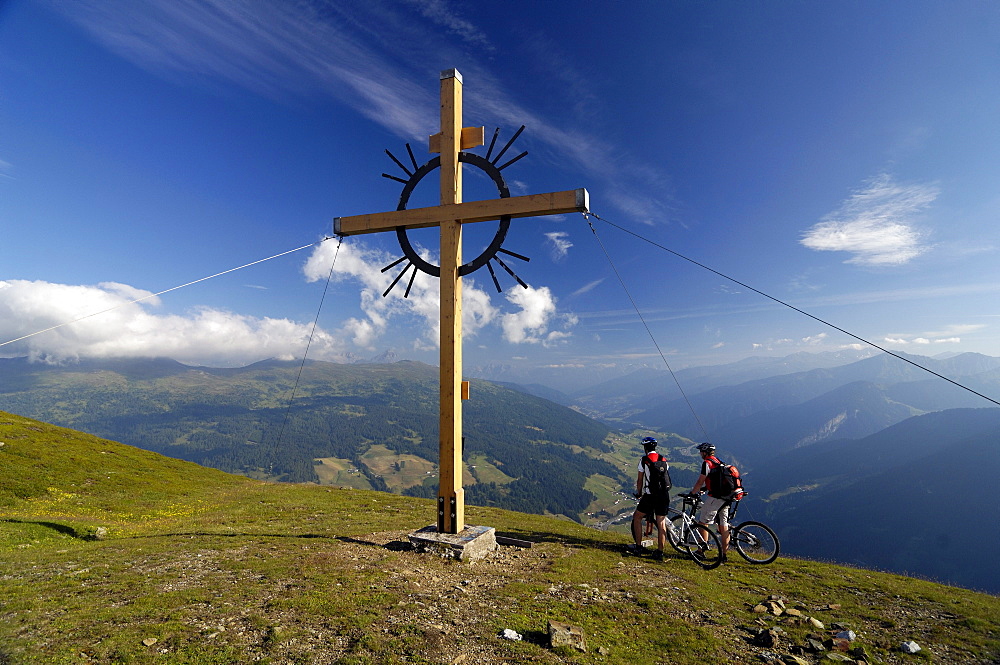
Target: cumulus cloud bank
[
  {"x": 531, "y": 322},
  {"x": 125, "y": 328},
  {"x": 876, "y": 224},
  {"x": 117, "y": 320}
]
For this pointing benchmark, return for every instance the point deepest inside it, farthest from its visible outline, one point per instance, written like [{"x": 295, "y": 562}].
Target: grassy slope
[{"x": 198, "y": 566}]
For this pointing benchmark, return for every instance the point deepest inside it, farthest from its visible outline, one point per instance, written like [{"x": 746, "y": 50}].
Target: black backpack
[
  {"x": 724, "y": 481},
  {"x": 658, "y": 476}
]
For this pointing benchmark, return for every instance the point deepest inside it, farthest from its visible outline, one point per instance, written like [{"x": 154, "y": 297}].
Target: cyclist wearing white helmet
[{"x": 652, "y": 487}]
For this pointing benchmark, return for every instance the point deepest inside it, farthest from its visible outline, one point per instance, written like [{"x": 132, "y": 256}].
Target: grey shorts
[{"x": 714, "y": 510}]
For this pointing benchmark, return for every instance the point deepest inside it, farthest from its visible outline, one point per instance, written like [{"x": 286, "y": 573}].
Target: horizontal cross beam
[{"x": 532, "y": 205}]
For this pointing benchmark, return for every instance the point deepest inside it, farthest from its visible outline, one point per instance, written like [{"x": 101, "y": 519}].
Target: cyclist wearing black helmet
[
  {"x": 652, "y": 487},
  {"x": 712, "y": 508}
]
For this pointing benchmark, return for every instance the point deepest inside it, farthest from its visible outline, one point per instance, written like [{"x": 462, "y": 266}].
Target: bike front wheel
[
  {"x": 675, "y": 531},
  {"x": 706, "y": 552},
  {"x": 756, "y": 542}
]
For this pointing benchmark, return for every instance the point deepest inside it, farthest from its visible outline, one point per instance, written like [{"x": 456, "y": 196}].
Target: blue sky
[{"x": 842, "y": 157}]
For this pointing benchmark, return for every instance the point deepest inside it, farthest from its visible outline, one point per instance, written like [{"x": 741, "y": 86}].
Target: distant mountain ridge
[
  {"x": 731, "y": 414},
  {"x": 892, "y": 500}
]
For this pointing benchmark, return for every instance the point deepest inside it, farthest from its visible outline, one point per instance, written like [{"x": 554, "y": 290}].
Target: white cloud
[
  {"x": 105, "y": 320},
  {"x": 950, "y": 334},
  {"x": 560, "y": 244},
  {"x": 537, "y": 313},
  {"x": 128, "y": 329},
  {"x": 876, "y": 224},
  {"x": 446, "y": 16},
  {"x": 956, "y": 329},
  {"x": 357, "y": 263},
  {"x": 589, "y": 286}
]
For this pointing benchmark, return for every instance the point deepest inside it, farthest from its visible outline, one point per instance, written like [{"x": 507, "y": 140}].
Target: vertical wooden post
[
  {"x": 449, "y": 216},
  {"x": 451, "y": 495}
]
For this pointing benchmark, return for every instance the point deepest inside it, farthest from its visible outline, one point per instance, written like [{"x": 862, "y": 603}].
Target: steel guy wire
[
  {"x": 792, "y": 307},
  {"x": 648, "y": 331},
  {"x": 305, "y": 354}
]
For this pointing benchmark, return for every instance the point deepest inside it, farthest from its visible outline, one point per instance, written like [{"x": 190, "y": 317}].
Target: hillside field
[{"x": 112, "y": 554}]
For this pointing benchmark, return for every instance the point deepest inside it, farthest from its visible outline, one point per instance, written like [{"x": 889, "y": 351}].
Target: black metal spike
[
  {"x": 413, "y": 159},
  {"x": 509, "y": 271},
  {"x": 501, "y": 168},
  {"x": 394, "y": 264},
  {"x": 399, "y": 163},
  {"x": 392, "y": 177},
  {"x": 496, "y": 132},
  {"x": 514, "y": 254},
  {"x": 496, "y": 282},
  {"x": 395, "y": 281},
  {"x": 509, "y": 143},
  {"x": 406, "y": 294}
]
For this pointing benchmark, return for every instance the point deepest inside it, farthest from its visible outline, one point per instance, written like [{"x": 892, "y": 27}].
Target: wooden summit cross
[{"x": 450, "y": 216}]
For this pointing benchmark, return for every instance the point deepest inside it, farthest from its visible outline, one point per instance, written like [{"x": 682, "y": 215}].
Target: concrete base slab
[{"x": 472, "y": 543}]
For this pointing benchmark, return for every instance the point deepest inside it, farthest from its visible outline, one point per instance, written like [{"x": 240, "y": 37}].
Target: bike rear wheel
[
  {"x": 706, "y": 552},
  {"x": 756, "y": 542}
]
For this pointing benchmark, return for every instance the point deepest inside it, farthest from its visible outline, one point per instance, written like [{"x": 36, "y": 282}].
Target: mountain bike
[
  {"x": 685, "y": 535},
  {"x": 755, "y": 541}
]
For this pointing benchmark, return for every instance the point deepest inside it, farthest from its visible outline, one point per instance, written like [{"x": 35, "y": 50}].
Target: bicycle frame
[
  {"x": 756, "y": 542},
  {"x": 686, "y": 535}
]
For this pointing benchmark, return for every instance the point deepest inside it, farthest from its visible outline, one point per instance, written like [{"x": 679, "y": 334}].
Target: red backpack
[{"x": 724, "y": 481}]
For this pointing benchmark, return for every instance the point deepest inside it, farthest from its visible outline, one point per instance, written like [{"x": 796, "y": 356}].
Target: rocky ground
[{"x": 453, "y": 613}]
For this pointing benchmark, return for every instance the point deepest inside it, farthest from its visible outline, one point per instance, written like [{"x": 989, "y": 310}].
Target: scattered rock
[
  {"x": 509, "y": 634},
  {"x": 862, "y": 654},
  {"x": 814, "y": 646},
  {"x": 768, "y": 638},
  {"x": 848, "y": 635},
  {"x": 563, "y": 634},
  {"x": 816, "y": 623},
  {"x": 909, "y": 647},
  {"x": 604, "y": 651},
  {"x": 794, "y": 660},
  {"x": 838, "y": 644},
  {"x": 149, "y": 641}
]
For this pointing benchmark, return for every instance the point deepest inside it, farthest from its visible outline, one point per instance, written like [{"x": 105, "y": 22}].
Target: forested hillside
[{"x": 368, "y": 426}]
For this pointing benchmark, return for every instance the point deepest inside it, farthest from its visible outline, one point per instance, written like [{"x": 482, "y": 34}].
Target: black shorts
[{"x": 653, "y": 505}]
